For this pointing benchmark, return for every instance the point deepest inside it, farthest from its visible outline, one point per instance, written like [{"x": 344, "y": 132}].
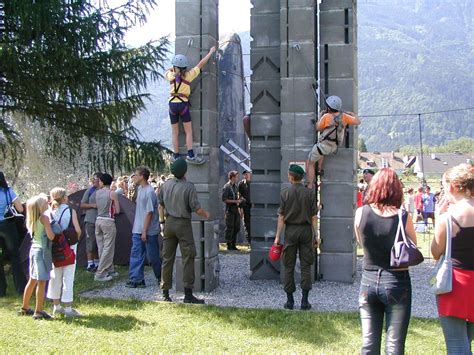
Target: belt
[
  {"x": 297, "y": 224},
  {"x": 106, "y": 218},
  {"x": 179, "y": 218},
  {"x": 389, "y": 270}
]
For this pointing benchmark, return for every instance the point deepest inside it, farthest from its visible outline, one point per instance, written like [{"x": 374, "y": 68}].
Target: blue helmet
[
  {"x": 180, "y": 61},
  {"x": 334, "y": 102}
]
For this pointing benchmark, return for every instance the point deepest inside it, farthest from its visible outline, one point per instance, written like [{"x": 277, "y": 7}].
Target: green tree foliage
[
  {"x": 362, "y": 146},
  {"x": 463, "y": 145},
  {"x": 65, "y": 67}
]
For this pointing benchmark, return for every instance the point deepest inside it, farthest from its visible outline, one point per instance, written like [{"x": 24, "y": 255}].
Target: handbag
[
  {"x": 10, "y": 211},
  {"x": 70, "y": 232},
  {"x": 441, "y": 280},
  {"x": 404, "y": 252},
  {"x": 62, "y": 254}
]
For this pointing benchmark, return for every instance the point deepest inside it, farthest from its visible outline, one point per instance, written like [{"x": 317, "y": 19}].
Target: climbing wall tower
[
  {"x": 312, "y": 41},
  {"x": 265, "y": 148},
  {"x": 338, "y": 76},
  {"x": 196, "y": 33}
]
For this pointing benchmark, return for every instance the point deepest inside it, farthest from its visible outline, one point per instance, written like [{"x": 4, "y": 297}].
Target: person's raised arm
[
  {"x": 47, "y": 227},
  {"x": 204, "y": 60},
  {"x": 351, "y": 118},
  {"x": 85, "y": 205}
]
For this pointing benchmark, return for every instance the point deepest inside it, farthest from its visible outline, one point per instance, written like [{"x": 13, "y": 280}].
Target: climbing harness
[{"x": 336, "y": 135}]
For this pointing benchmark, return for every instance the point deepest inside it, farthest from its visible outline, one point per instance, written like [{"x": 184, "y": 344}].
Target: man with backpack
[{"x": 332, "y": 126}]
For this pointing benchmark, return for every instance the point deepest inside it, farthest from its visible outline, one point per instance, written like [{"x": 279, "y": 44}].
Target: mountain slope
[{"x": 415, "y": 56}]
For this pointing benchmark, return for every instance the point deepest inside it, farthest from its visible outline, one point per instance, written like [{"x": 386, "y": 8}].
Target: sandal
[
  {"x": 42, "y": 315},
  {"x": 25, "y": 312}
]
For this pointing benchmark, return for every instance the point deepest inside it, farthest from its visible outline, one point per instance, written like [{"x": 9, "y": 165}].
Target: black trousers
[
  {"x": 10, "y": 244},
  {"x": 246, "y": 211},
  {"x": 232, "y": 226}
]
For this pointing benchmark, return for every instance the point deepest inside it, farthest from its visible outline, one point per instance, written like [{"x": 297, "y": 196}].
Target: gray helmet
[
  {"x": 334, "y": 102},
  {"x": 180, "y": 61}
]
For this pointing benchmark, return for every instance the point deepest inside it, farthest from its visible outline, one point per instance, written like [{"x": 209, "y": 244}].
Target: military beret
[
  {"x": 296, "y": 169},
  {"x": 179, "y": 168}
]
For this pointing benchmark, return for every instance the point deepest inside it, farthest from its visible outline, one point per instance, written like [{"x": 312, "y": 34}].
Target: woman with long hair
[
  {"x": 384, "y": 291},
  {"x": 61, "y": 285},
  {"x": 9, "y": 238},
  {"x": 456, "y": 308},
  {"x": 39, "y": 227}
]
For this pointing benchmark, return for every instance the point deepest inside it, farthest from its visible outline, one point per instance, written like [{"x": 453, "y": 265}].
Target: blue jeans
[
  {"x": 458, "y": 335},
  {"x": 384, "y": 293},
  {"x": 137, "y": 257}
]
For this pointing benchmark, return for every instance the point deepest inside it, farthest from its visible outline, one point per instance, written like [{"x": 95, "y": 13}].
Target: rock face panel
[{"x": 231, "y": 106}]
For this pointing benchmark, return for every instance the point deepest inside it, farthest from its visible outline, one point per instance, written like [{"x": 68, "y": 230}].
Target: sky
[{"x": 234, "y": 16}]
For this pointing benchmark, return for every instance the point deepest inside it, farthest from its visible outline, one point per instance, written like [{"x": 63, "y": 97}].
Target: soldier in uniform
[
  {"x": 245, "y": 205},
  {"x": 232, "y": 217},
  {"x": 298, "y": 216},
  {"x": 179, "y": 198}
]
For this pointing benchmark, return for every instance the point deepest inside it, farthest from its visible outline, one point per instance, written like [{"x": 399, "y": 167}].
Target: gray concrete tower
[{"x": 196, "y": 33}]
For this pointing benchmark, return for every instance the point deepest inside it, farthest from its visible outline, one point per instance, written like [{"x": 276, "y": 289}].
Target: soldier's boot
[
  {"x": 166, "y": 296},
  {"x": 305, "y": 305},
  {"x": 189, "y": 297},
  {"x": 290, "y": 301}
]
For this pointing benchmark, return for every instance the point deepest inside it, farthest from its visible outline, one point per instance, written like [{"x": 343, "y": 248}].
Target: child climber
[
  {"x": 180, "y": 79},
  {"x": 332, "y": 126}
]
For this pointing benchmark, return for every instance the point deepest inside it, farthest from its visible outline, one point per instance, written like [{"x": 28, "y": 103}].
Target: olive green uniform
[
  {"x": 297, "y": 206},
  {"x": 179, "y": 198}
]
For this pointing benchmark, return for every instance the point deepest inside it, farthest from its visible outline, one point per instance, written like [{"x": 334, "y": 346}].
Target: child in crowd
[
  {"x": 40, "y": 229},
  {"x": 180, "y": 89},
  {"x": 61, "y": 285}
]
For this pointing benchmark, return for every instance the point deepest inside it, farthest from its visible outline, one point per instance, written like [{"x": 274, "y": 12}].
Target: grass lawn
[{"x": 133, "y": 326}]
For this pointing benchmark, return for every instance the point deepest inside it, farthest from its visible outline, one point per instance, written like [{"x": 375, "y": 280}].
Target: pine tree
[
  {"x": 362, "y": 146},
  {"x": 65, "y": 68}
]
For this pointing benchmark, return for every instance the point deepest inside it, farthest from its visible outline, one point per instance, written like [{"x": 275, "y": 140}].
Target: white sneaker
[
  {"x": 195, "y": 160},
  {"x": 113, "y": 274},
  {"x": 103, "y": 278},
  {"x": 72, "y": 313},
  {"x": 58, "y": 311}
]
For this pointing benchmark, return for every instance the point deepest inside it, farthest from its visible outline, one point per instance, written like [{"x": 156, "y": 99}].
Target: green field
[{"x": 112, "y": 326}]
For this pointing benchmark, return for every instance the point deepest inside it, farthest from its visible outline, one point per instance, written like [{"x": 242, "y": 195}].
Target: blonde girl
[
  {"x": 61, "y": 285},
  {"x": 42, "y": 234}
]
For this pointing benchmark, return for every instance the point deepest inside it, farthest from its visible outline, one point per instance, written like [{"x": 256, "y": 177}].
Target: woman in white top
[
  {"x": 410, "y": 202},
  {"x": 61, "y": 285}
]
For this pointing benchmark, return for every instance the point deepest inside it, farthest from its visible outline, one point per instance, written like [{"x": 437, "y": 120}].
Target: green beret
[
  {"x": 179, "y": 168},
  {"x": 296, "y": 169}
]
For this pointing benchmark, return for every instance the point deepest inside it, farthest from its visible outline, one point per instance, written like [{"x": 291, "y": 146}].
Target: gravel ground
[{"x": 237, "y": 290}]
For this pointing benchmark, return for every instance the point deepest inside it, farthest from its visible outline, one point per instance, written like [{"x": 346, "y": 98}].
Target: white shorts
[{"x": 321, "y": 149}]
